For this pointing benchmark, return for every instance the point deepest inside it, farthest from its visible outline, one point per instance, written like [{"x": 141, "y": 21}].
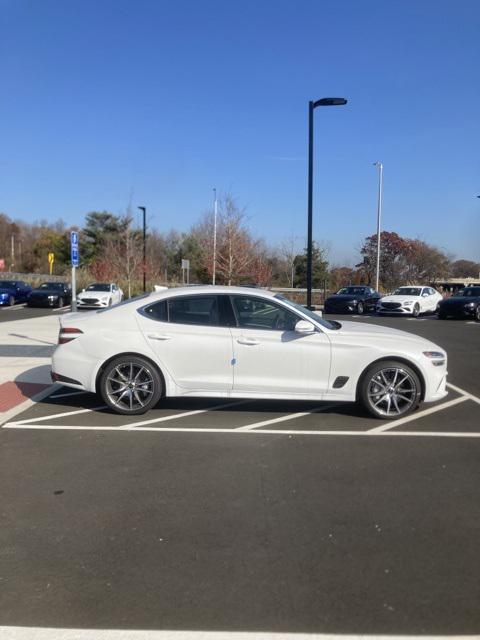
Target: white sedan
[
  {"x": 239, "y": 342},
  {"x": 410, "y": 301},
  {"x": 98, "y": 295}
]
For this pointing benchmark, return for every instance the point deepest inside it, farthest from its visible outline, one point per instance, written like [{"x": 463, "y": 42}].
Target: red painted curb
[{"x": 14, "y": 393}]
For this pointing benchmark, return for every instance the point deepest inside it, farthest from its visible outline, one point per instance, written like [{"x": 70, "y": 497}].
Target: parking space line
[
  {"x": 467, "y": 394},
  {"x": 278, "y": 432},
  {"x": 416, "y": 416},
  {"x": 61, "y": 415},
  {"x": 185, "y": 414},
  {"x": 292, "y": 416}
]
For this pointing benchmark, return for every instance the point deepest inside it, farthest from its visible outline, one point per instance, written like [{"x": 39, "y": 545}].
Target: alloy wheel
[
  {"x": 392, "y": 392},
  {"x": 130, "y": 386},
  {"x": 416, "y": 311}
]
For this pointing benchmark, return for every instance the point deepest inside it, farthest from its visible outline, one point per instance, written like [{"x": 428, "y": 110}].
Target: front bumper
[
  {"x": 4, "y": 301},
  {"x": 400, "y": 311},
  {"x": 42, "y": 302},
  {"x": 461, "y": 312}
]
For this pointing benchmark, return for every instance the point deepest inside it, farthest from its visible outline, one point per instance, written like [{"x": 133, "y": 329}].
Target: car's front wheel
[
  {"x": 390, "y": 390},
  {"x": 130, "y": 385},
  {"x": 477, "y": 313},
  {"x": 416, "y": 310},
  {"x": 360, "y": 308}
]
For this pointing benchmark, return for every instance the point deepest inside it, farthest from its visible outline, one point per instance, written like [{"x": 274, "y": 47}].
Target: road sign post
[{"x": 74, "y": 255}]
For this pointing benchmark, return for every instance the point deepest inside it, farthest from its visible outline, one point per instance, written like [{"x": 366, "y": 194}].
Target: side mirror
[
  {"x": 425, "y": 295},
  {"x": 304, "y": 326}
]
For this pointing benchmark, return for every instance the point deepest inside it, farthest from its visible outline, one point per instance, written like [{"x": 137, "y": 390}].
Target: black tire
[
  {"x": 360, "y": 308},
  {"x": 131, "y": 400},
  {"x": 376, "y": 390},
  {"x": 11, "y": 301},
  {"x": 416, "y": 310},
  {"x": 442, "y": 315},
  {"x": 477, "y": 313},
  {"x": 60, "y": 303}
]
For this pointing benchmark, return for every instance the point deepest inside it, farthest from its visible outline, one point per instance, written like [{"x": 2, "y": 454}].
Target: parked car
[
  {"x": 98, "y": 295},
  {"x": 242, "y": 343},
  {"x": 352, "y": 299},
  {"x": 50, "y": 294},
  {"x": 13, "y": 291},
  {"x": 462, "y": 305},
  {"x": 410, "y": 301}
]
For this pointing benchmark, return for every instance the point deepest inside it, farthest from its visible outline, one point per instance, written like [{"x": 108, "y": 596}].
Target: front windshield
[
  {"x": 351, "y": 291},
  {"x": 96, "y": 286},
  {"x": 408, "y": 291},
  {"x": 471, "y": 292},
  {"x": 332, "y": 325},
  {"x": 51, "y": 285},
  {"x": 7, "y": 283}
]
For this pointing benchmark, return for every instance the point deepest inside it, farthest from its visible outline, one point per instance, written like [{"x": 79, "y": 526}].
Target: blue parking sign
[{"x": 74, "y": 253}]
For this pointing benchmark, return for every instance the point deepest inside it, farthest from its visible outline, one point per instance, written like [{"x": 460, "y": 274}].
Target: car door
[
  {"x": 188, "y": 339},
  {"x": 270, "y": 357}
]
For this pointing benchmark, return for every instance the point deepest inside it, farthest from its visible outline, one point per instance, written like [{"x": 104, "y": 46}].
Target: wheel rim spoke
[
  {"x": 392, "y": 391},
  {"x": 130, "y": 386}
]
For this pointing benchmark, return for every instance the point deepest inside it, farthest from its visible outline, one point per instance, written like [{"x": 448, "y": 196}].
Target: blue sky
[{"x": 166, "y": 100}]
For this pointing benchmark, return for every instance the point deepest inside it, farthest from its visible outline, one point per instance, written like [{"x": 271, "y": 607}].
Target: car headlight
[
  {"x": 354, "y": 301},
  {"x": 470, "y": 304},
  {"x": 408, "y": 302},
  {"x": 104, "y": 298},
  {"x": 52, "y": 297}
]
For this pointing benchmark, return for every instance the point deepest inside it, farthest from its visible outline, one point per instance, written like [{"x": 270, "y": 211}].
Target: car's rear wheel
[
  {"x": 131, "y": 385},
  {"x": 416, "y": 310},
  {"x": 390, "y": 390},
  {"x": 360, "y": 308}
]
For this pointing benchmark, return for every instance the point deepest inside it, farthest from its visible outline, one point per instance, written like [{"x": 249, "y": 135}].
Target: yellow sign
[{"x": 51, "y": 260}]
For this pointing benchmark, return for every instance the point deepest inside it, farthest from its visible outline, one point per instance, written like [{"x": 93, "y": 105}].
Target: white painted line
[
  {"x": 45, "y": 633},
  {"x": 185, "y": 414},
  {"x": 279, "y": 432},
  {"x": 61, "y": 415},
  {"x": 292, "y": 416},
  {"x": 66, "y": 395},
  {"x": 467, "y": 394},
  {"x": 417, "y": 415}
]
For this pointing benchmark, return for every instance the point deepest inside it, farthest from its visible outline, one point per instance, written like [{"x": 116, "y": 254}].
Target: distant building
[{"x": 452, "y": 285}]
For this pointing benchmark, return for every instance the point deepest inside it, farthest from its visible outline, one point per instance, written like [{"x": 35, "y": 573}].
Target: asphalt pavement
[{"x": 260, "y": 516}]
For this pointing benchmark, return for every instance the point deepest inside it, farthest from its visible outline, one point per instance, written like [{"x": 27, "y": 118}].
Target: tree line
[{"x": 111, "y": 249}]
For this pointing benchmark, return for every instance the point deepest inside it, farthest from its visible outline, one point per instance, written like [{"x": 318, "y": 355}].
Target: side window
[
  {"x": 157, "y": 311},
  {"x": 255, "y": 313},
  {"x": 193, "y": 310}
]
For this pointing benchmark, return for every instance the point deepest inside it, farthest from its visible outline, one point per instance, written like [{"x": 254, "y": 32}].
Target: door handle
[
  {"x": 159, "y": 336},
  {"x": 249, "y": 341}
]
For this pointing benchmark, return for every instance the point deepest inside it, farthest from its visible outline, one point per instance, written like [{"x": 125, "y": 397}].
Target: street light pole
[
  {"x": 144, "y": 211},
  {"x": 379, "y": 218},
  {"x": 214, "y": 236},
  {"x": 324, "y": 102}
]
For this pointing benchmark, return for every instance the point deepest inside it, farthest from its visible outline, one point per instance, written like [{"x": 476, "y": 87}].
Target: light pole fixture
[
  {"x": 323, "y": 102},
  {"x": 144, "y": 267},
  {"x": 379, "y": 165},
  {"x": 214, "y": 235}
]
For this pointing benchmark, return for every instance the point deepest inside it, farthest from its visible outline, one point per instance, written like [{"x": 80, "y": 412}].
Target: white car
[
  {"x": 98, "y": 295},
  {"x": 411, "y": 300},
  {"x": 238, "y": 342}
]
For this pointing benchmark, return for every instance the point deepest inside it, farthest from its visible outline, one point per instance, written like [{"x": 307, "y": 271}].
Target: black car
[
  {"x": 12, "y": 291},
  {"x": 352, "y": 299},
  {"x": 50, "y": 294},
  {"x": 465, "y": 304}
]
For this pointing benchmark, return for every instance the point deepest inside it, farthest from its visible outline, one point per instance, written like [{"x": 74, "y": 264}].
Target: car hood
[
  {"x": 6, "y": 290},
  {"x": 89, "y": 294},
  {"x": 400, "y": 298},
  {"x": 461, "y": 300},
  {"x": 372, "y": 332}
]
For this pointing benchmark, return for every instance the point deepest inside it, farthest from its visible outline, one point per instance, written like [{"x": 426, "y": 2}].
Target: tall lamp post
[
  {"x": 323, "y": 102},
  {"x": 379, "y": 218},
  {"x": 215, "y": 211},
  {"x": 144, "y": 211}
]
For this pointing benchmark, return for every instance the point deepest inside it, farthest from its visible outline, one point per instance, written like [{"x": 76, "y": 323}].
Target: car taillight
[{"x": 67, "y": 334}]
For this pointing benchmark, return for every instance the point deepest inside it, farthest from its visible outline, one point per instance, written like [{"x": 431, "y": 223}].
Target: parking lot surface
[{"x": 261, "y": 516}]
